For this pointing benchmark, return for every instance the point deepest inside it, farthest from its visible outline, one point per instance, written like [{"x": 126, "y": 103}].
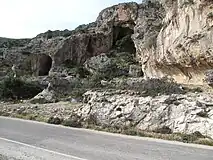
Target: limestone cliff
[
  {"x": 110, "y": 33},
  {"x": 168, "y": 38},
  {"x": 184, "y": 44}
]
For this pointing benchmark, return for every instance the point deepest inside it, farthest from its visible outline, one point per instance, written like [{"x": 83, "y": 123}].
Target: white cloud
[{"x": 27, "y": 18}]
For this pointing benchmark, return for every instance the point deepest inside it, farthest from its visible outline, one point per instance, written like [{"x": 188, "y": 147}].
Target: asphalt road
[{"x": 26, "y": 140}]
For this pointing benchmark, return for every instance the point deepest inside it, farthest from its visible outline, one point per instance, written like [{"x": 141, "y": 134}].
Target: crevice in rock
[
  {"x": 90, "y": 49},
  {"x": 187, "y": 19},
  {"x": 45, "y": 64},
  {"x": 119, "y": 109}
]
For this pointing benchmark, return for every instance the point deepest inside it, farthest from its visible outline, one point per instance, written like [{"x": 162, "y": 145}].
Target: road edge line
[{"x": 42, "y": 149}]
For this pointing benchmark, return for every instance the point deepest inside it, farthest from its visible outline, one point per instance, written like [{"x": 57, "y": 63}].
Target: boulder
[
  {"x": 100, "y": 64},
  {"x": 46, "y": 96}
]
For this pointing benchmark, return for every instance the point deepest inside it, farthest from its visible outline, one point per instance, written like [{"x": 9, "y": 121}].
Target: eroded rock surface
[
  {"x": 186, "y": 114},
  {"x": 170, "y": 38},
  {"x": 184, "y": 44},
  {"x": 181, "y": 113}
]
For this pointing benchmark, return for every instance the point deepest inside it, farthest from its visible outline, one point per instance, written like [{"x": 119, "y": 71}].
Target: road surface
[{"x": 27, "y": 140}]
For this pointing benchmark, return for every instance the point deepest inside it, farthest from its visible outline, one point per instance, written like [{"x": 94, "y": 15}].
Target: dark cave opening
[
  {"x": 45, "y": 64},
  {"x": 122, "y": 40},
  {"x": 120, "y": 32}
]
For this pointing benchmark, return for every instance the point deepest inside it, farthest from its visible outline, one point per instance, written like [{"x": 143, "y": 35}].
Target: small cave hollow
[
  {"x": 45, "y": 64},
  {"x": 122, "y": 39},
  {"x": 119, "y": 109}
]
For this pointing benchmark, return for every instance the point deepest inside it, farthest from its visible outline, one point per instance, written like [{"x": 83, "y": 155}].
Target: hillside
[{"x": 134, "y": 66}]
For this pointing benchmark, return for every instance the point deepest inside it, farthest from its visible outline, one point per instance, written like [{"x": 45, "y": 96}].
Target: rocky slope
[
  {"x": 110, "y": 33},
  {"x": 149, "y": 40},
  {"x": 179, "y": 113},
  {"x": 170, "y": 38},
  {"x": 168, "y": 114}
]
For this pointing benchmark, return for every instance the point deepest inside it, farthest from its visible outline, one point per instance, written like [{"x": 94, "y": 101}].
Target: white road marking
[{"x": 42, "y": 149}]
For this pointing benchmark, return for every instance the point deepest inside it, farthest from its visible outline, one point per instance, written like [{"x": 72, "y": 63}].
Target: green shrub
[
  {"x": 210, "y": 15},
  {"x": 187, "y": 3},
  {"x": 153, "y": 87},
  {"x": 186, "y": 138},
  {"x": 208, "y": 142},
  {"x": 73, "y": 121},
  {"x": 15, "y": 89},
  {"x": 203, "y": 114},
  {"x": 190, "y": 138},
  {"x": 123, "y": 61},
  {"x": 163, "y": 130},
  {"x": 54, "y": 120}
]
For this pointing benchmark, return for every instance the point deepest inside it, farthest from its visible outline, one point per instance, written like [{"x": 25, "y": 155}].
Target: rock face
[
  {"x": 181, "y": 113},
  {"x": 111, "y": 31},
  {"x": 184, "y": 44},
  {"x": 170, "y": 38},
  {"x": 99, "y": 64},
  {"x": 147, "y": 27}
]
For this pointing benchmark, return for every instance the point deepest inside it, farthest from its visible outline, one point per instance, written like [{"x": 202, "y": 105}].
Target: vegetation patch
[
  {"x": 203, "y": 114},
  {"x": 30, "y": 116},
  {"x": 210, "y": 15},
  {"x": 54, "y": 120},
  {"x": 187, "y": 3},
  {"x": 150, "y": 87},
  {"x": 17, "y": 89}
]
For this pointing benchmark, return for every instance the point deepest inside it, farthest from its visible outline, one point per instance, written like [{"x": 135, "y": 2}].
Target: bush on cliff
[{"x": 15, "y": 89}]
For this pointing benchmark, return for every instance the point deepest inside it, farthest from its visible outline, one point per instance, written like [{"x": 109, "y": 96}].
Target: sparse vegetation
[
  {"x": 163, "y": 130},
  {"x": 15, "y": 89},
  {"x": 73, "y": 121},
  {"x": 30, "y": 116},
  {"x": 130, "y": 130},
  {"x": 151, "y": 87},
  {"x": 187, "y": 3},
  {"x": 123, "y": 61},
  {"x": 10, "y": 43},
  {"x": 210, "y": 15},
  {"x": 209, "y": 77},
  {"x": 54, "y": 120},
  {"x": 204, "y": 141},
  {"x": 203, "y": 114},
  {"x": 52, "y": 34},
  {"x": 154, "y": 87}
]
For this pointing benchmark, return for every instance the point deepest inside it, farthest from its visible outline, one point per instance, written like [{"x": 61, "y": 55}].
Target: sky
[{"x": 27, "y": 18}]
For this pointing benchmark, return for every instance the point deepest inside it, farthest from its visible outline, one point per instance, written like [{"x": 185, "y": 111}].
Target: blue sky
[{"x": 27, "y": 18}]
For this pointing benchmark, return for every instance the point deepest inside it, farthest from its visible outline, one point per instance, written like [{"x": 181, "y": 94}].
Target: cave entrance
[
  {"x": 45, "y": 64},
  {"x": 122, "y": 39}
]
